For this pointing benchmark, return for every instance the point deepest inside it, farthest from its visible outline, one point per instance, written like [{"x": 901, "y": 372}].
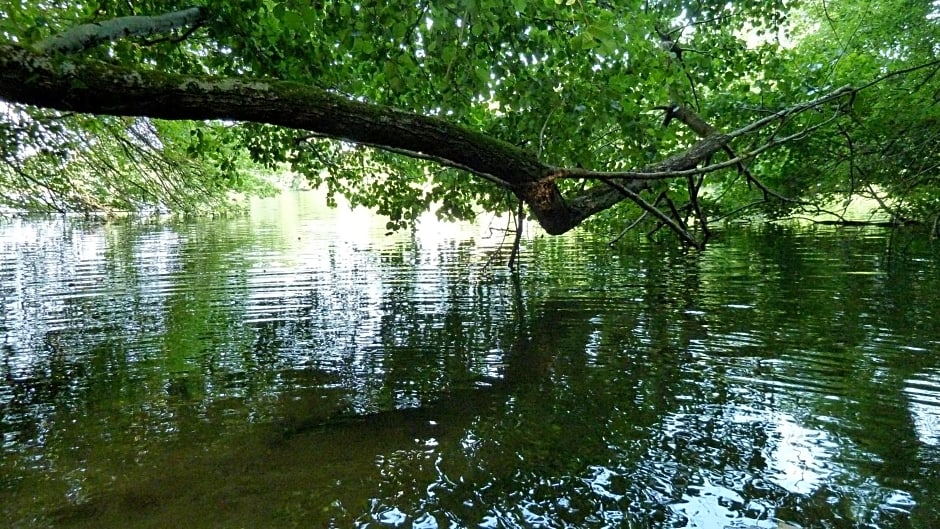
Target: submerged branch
[
  {"x": 656, "y": 212},
  {"x": 517, "y": 239}
]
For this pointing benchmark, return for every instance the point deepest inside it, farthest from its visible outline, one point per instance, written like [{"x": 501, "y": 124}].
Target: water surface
[{"x": 299, "y": 368}]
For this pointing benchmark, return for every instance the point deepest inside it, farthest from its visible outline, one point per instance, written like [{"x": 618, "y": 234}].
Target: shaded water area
[{"x": 298, "y": 368}]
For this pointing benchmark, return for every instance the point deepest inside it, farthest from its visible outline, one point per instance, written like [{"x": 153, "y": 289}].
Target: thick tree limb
[
  {"x": 31, "y": 77},
  {"x": 45, "y": 75},
  {"x": 95, "y": 87},
  {"x": 663, "y": 218},
  {"x": 431, "y": 158},
  {"x": 86, "y": 36}
]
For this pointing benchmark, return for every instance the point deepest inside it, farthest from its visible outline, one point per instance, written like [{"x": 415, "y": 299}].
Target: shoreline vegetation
[{"x": 858, "y": 211}]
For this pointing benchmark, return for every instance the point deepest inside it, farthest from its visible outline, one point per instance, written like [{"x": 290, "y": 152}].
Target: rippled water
[{"x": 298, "y": 368}]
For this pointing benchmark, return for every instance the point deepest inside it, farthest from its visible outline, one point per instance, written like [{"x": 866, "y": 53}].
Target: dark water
[{"x": 299, "y": 369}]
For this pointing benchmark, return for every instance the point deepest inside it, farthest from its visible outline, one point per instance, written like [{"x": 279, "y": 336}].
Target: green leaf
[
  {"x": 577, "y": 83},
  {"x": 449, "y": 54},
  {"x": 483, "y": 74},
  {"x": 310, "y": 16},
  {"x": 293, "y": 21}
]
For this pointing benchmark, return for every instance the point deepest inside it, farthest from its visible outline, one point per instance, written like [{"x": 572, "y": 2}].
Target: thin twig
[
  {"x": 653, "y": 210},
  {"x": 517, "y": 240},
  {"x": 542, "y": 132},
  {"x": 632, "y": 225}
]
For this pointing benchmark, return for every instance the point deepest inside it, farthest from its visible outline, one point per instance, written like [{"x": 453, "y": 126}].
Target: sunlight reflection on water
[
  {"x": 301, "y": 368},
  {"x": 923, "y": 392}
]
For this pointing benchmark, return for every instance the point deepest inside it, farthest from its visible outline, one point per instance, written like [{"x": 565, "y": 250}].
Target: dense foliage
[
  {"x": 890, "y": 148},
  {"x": 575, "y": 83}
]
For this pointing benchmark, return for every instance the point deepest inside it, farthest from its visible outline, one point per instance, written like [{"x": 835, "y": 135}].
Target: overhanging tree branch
[
  {"x": 36, "y": 77},
  {"x": 94, "y": 87}
]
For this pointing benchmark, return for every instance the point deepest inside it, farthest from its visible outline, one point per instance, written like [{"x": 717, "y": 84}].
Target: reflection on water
[{"x": 298, "y": 368}]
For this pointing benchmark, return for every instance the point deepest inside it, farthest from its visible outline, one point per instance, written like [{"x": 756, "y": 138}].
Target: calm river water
[{"x": 298, "y": 368}]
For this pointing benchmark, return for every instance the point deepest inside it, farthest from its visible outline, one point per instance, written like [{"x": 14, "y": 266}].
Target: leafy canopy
[{"x": 578, "y": 83}]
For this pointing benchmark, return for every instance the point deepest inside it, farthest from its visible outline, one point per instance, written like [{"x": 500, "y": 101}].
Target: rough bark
[{"x": 93, "y": 87}]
